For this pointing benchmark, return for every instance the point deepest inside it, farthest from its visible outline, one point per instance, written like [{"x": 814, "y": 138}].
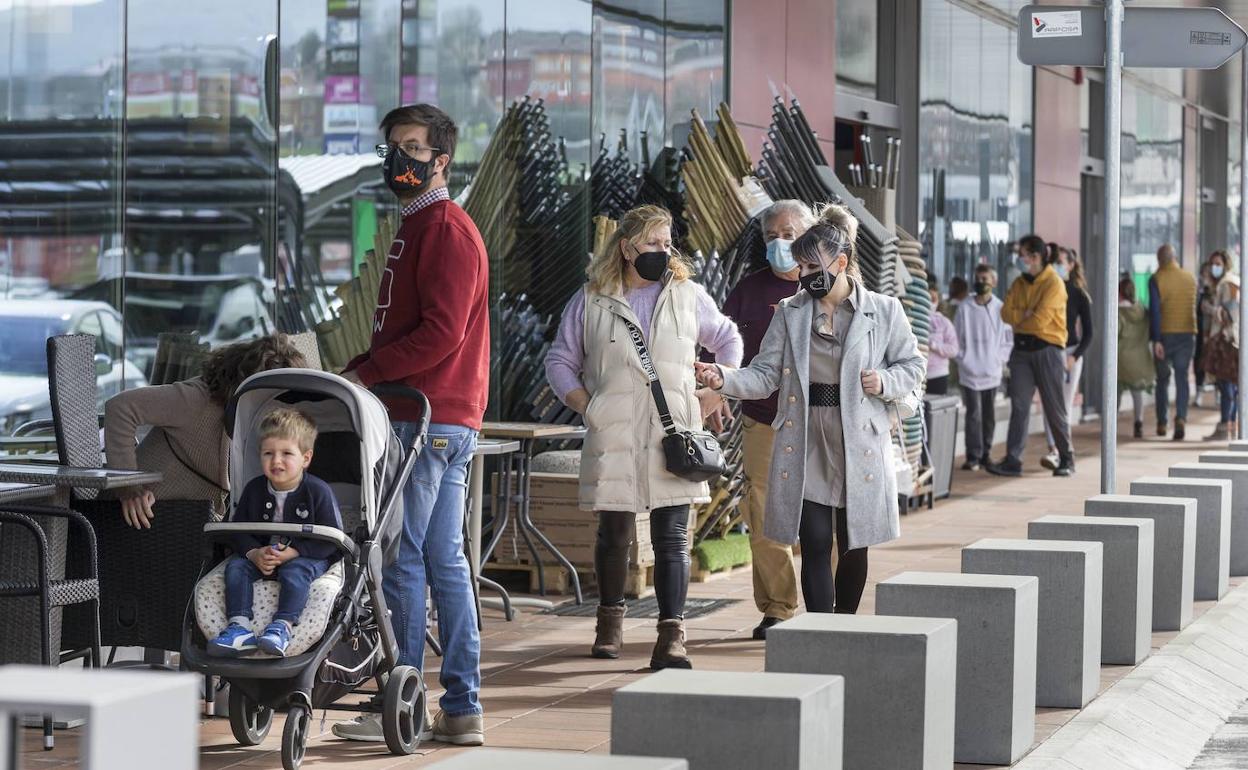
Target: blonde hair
[
  {"x": 606, "y": 269},
  {"x": 289, "y": 425},
  {"x": 835, "y": 231}
]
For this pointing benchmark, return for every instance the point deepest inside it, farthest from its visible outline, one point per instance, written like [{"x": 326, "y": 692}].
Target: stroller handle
[{"x": 395, "y": 390}]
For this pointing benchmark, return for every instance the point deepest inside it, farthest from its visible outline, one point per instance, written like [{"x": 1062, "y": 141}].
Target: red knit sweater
[{"x": 432, "y": 326}]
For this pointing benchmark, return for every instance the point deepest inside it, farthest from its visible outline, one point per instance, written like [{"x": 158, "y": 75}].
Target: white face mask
[{"x": 1216, "y": 271}]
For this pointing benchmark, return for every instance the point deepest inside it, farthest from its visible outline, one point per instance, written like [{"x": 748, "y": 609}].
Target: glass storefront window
[
  {"x": 857, "y": 46},
  {"x": 975, "y": 141}
]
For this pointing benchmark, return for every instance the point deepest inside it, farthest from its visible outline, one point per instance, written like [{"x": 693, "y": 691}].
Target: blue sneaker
[
  {"x": 233, "y": 642},
  {"x": 275, "y": 639}
]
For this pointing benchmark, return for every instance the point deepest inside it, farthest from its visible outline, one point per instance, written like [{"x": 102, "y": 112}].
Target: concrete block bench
[
  {"x": 1211, "y": 579},
  {"x": 1224, "y": 456},
  {"x": 1237, "y": 474},
  {"x": 1127, "y": 578},
  {"x": 1174, "y": 550},
  {"x": 520, "y": 759},
  {"x": 721, "y": 720},
  {"x": 899, "y": 682},
  {"x": 1068, "y": 649},
  {"x": 1238, "y": 445},
  {"x": 138, "y": 720},
  {"x": 996, "y": 670}
]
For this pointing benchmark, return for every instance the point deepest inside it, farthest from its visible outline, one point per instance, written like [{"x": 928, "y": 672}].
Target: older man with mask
[
  {"x": 752, "y": 304},
  {"x": 1036, "y": 307}
]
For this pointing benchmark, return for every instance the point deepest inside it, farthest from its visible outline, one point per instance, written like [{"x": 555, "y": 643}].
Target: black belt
[{"x": 822, "y": 394}]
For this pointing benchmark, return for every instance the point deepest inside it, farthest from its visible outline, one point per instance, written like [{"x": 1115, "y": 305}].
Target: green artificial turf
[{"x": 716, "y": 555}]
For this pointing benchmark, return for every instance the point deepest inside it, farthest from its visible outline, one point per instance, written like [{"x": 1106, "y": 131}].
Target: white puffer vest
[{"x": 622, "y": 467}]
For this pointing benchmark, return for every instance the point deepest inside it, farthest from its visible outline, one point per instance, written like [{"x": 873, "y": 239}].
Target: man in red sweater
[{"x": 432, "y": 331}]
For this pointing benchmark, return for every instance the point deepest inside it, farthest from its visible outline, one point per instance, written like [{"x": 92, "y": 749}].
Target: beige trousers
[{"x": 775, "y": 579}]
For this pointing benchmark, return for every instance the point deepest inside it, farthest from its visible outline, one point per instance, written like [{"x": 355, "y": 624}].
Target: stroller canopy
[{"x": 355, "y": 442}]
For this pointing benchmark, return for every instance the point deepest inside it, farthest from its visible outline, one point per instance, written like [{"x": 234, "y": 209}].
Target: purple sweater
[{"x": 716, "y": 332}]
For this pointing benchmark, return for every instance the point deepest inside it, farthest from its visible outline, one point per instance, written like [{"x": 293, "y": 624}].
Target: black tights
[
  {"x": 669, "y": 533},
  {"x": 819, "y": 589}
]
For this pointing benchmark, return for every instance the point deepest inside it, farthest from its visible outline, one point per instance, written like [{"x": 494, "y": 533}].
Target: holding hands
[{"x": 708, "y": 375}]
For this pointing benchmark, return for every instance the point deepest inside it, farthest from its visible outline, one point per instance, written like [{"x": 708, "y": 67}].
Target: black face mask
[
  {"x": 651, "y": 264},
  {"x": 815, "y": 284},
  {"x": 406, "y": 177},
  {"x": 982, "y": 288}
]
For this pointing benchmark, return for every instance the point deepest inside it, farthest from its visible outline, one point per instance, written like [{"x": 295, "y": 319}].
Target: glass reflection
[
  {"x": 695, "y": 63},
  {"x": 60, "y": 196},
  {"x": 857, "y": 44},
  {"x": 629, "y": 72}
]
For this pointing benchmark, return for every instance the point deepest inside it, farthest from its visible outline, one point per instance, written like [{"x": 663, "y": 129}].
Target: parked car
[
  {"x": 27, "y": 324},
  {"x": 220, "y": 309}
]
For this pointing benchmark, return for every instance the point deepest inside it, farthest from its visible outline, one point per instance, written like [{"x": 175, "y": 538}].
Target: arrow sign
[{"x": 1184, "y": 38}]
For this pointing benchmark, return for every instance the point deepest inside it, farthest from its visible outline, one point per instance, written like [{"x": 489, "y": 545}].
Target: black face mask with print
[
  {"x": 819, "y": 284},
  {"x": 406, "y": 177}
]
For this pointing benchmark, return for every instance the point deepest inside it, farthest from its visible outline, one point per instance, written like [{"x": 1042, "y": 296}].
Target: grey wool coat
[{"x": 879, "y": 338}]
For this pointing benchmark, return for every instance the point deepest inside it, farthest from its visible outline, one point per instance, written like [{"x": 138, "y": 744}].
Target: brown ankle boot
[
  {"x": 669, "y": 650},
  {"x": 609, "y": 634}
]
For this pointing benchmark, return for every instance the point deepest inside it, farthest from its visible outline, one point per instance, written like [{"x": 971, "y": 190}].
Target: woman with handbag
[
  {"x": 1222, "y": 346},
  {"x": 842, "y": 358},
  {"x": 623, "y": 359}
]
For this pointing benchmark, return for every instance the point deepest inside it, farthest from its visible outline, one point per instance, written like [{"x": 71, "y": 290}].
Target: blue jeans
[
  {"x": 1179, "y": 350},
  {"x": 1228, "y": 399},
  {"x": 432, "y": 553},
  {"x": 294, "y": 577}
]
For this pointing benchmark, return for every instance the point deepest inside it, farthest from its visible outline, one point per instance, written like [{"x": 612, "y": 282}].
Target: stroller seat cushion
[{"x": 210, "y": 613}]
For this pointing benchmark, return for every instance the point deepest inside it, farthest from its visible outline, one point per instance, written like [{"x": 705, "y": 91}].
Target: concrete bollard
[
  {"x": 996, "y": 670},
  {"x": 899, "y": 682},
  {"x": 1237, "y": 446},
  {"x": 1174, "y": 550},
  {"x": 1211, "y": 578},
  {"x": 719, "y": 720},
  {"x": 1127, "y": 578},
  {"x": 523, "y": 759},
  {"x": 1237, "y": 474},
  {"x": 1068, "y": 649},
  {"x": 1224, "y": 456}
]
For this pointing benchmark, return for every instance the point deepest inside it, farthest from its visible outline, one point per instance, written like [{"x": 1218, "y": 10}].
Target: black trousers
[
  {"x": 669, "y": 534},
  {"x": 938, "y": 386},
  {"x": 981, "y": 422},
  {"x": 823, "y": 592}
]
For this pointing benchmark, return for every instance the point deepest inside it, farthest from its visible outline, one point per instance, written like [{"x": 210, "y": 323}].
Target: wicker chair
[
  {"x": 146, "y": 577},
  {"x": 73, "y": 590}
]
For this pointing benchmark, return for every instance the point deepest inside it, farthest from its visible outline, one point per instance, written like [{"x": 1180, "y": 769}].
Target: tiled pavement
[{"x": 542, "y": 691}]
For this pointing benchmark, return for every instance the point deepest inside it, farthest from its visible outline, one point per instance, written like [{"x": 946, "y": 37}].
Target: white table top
[{"x": 496, "y": 446}]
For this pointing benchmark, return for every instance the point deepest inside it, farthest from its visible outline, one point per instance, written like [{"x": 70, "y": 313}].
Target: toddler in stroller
[
  {"x": 285, "y": 493},
  {"x": 343, "y": 639}
]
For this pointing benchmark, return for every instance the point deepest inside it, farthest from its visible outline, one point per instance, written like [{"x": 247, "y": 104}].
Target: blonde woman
[
  {"x": 638, "y": 281},
  {"x": 837, "y": 353}
]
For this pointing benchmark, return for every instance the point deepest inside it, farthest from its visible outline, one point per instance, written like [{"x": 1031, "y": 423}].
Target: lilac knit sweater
[{"x": 716, "y": 332}]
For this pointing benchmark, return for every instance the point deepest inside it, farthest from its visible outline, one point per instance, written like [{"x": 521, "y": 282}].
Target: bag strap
[{"x": 652, "y": 374}]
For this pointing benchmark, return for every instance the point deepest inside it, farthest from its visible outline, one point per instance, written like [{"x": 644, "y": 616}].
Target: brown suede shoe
[
  {"x": 609, "y": 634},
  {"x": 669, "y": 650}
]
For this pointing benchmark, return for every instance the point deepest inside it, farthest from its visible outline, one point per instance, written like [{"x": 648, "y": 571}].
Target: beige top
[
  {"x": 825, "y": 455},
  {"x": 188, "y": 429}
]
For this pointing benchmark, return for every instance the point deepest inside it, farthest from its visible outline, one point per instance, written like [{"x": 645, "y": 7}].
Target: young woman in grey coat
[{"x": 838, "y": 354}]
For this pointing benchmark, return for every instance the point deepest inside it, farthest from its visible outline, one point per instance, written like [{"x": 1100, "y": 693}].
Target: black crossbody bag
[{"x": 693, "y": 455}]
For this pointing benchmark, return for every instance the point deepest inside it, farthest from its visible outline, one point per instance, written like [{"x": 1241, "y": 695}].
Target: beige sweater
[{"x": 188, "y": 428}]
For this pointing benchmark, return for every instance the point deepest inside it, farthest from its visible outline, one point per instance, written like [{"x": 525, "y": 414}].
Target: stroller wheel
[
  {"x": 249, "y": 721},
  {"x": 295, "y": 736},
  {"x": 403, "y": 710}
]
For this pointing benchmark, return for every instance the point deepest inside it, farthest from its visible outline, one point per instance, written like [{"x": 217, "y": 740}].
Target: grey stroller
[{"x": 344, "y": 637}]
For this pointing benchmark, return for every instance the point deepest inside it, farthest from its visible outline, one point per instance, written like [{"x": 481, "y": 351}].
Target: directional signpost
[{"x": 1109, "y": 36}]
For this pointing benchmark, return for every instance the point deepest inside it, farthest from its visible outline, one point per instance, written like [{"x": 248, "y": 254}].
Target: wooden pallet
[
  {"x": 640, "y": 582},
  {"x": 699, "y": 575}
]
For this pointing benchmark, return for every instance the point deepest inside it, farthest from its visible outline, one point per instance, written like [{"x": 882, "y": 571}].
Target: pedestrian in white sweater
[{"x": 984, "y": 343}]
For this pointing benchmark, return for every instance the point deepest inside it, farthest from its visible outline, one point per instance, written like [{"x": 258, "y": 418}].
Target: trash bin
[{"x": 942, "y": 415}]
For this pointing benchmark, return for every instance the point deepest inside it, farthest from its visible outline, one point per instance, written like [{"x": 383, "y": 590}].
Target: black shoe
[
  {"x": 1161, "y": 429},
  {"x": 1139, "y": 429},
  {"x": 1066, "y": 467},
  {"x": 1180, "y": 430},
  {"x": 760, "y": 631},
  {"x": 971, "y": 465},
  {"x": 1005, "y": 468}
]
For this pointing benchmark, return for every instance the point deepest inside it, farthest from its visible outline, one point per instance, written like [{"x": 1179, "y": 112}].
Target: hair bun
[{"x": 838, "y": 216}]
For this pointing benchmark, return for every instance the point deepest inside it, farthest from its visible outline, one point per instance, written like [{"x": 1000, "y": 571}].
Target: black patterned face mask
[{"x": 818, "y": 284}]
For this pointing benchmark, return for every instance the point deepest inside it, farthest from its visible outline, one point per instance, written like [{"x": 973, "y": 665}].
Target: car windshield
[{"x": 23, "y": 346}]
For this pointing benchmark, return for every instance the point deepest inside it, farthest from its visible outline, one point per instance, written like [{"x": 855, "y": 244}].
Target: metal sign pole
[
  {"x": 1109, "y": 264},
  {"x": 1243, "y": 238}
]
